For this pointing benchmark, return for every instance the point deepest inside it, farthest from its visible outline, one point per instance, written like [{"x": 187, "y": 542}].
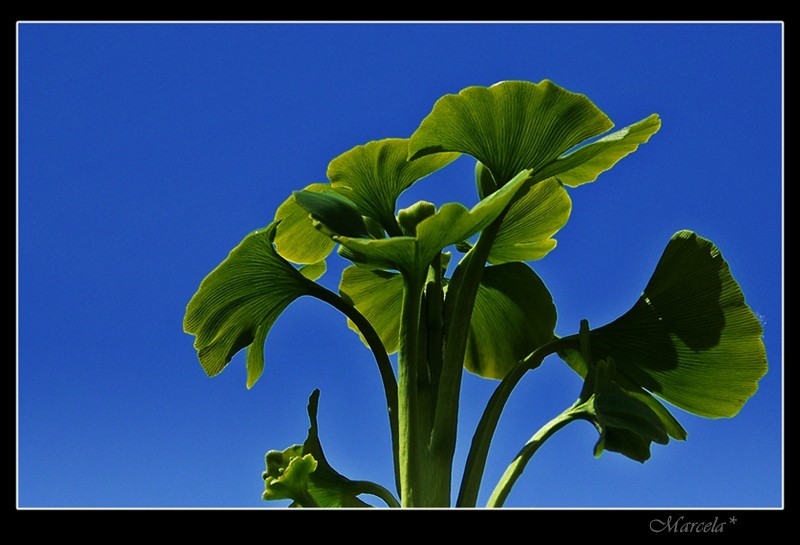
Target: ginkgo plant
[{"x": 448, "y": 288}]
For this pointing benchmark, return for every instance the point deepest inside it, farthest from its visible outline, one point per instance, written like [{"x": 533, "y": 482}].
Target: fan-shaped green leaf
[
  {"x": 513, "y": 315},
  {"x": 374, "y": 175},
  {"x": 538, "y": 211},
  {"x": 690, "y": 338},
  {"x": 296, "y": 238},
  {"x": 378, "y": 296},
  {"x": 589, "y": 161},
  {"x": 510, "y": 126},
  {"x": 238, "y": 302}
]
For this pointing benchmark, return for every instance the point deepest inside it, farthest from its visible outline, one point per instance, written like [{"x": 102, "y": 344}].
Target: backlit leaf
[
  {"x": 510, "y": 126},
  {"x": 690, "y": 338},
  {"x": 538, "y": 211},
  {"x": 238, "y": 302},
  {"x": 589, "y": 161},
  {"x": 296, "y": 238},
  {"x": 378, "y": 296},
  {"x": 374, "y": 175},
  {"x": 513, "y": 315}
]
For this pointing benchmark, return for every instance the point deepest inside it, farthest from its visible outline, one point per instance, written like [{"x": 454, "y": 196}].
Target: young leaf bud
[{"x": 409, "y": 218}]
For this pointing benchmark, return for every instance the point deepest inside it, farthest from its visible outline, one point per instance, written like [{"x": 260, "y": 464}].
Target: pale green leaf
[
  {"x": 378, "y": 296},
  {"x": 513, "y": 315},
  {"x": 374, "y": 175},
  {"x": 510, "y": 126},
  {"x": 589, "y": 161},
  {"x": 538, "y": 211},
  {"x": 292, "y": 478},
  {"x": 296, "y": 238},
  {"x": 313, "y": 271},
  {"x": 238, "y": 302}
]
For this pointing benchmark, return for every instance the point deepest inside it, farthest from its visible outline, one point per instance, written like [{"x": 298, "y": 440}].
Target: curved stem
[
  {"x": 515, "y": 469},
  {"x": 482, "y": 439},
  {"x": 374, "y": 489},
  {"x": 384, "y": 366}
]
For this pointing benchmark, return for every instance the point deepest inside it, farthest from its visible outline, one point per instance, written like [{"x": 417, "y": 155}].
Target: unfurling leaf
[
  {"x": 301, "y": 473},
  {"x": 409, "y": 218}
]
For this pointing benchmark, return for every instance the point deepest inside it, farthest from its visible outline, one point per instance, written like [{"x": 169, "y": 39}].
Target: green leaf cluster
[{"x": 690, "y": 338}]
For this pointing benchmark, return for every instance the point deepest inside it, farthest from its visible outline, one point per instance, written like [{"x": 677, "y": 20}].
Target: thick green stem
[
  {"x": 513, "y": 472},
  {"x": 412, "y": 437},
  {"x": 424, "y": 476}
]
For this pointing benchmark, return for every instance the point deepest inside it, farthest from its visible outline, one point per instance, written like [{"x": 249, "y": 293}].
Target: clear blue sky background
[{"x": 148, "y": 151}]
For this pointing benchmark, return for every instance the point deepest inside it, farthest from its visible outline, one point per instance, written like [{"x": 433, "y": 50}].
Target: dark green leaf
[
  {"x": 626, "y": 420},
  {"x": 336, "y": 214},
  {"x": 690, "y": 338},
  {"x": 238, "y": 302},
  {"x": 617, "y": 409}
]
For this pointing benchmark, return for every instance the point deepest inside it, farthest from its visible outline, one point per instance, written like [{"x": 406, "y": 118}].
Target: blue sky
[{"x": 148, "y": 151}]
